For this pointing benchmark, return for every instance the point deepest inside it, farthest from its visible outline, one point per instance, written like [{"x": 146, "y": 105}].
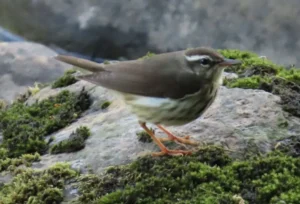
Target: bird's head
[{"x": 207, "y": 63}]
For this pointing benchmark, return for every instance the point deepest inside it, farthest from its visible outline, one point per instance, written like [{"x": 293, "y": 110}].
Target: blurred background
[{"x": 114, "y": 29}]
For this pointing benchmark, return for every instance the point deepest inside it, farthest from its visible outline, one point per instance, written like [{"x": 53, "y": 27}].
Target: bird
[{"x": 165, "y": 89}]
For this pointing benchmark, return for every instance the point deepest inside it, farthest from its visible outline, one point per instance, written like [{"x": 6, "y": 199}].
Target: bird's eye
[{"x": 205, "y": 62}]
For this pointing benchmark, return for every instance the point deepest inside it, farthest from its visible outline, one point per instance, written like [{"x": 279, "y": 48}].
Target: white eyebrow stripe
[{"x": 193, "y": 58}]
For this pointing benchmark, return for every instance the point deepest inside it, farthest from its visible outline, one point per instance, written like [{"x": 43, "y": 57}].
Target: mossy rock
[
  {"x": 208, "y": 176},
  {"x": 25, "y": 127},
  {"x": 260, "y": 73}
]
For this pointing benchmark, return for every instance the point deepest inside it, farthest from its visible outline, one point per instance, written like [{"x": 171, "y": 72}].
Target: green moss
[
  {"x": 75, "y": 142},
  {"x": 253, "y": 82},
  {"x": 151, "y": 180},
  {"x": 143, "y": 136},
  {"x": 148, "y": 55},
  {"x": 249, "y": 59},
  {"x": 66, "y": 80},
  {"x": 208, "y": 176},
  {"x": 106, "y": 62},
  {"x": 260, "y": 73},
  {"x": 11, "y": 163},
  {"x": 238, "y": 54},
  {"x": 24, "y": 127},
  {"x": 33, "y": 186},
  {"x": 291, "y": 75},
  {"x": 3, "y": 153},
  {"x": 105, "y": 105}
]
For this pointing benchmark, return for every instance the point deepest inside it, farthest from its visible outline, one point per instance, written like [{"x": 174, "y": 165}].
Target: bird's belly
[{"x": 169, "y": 112}]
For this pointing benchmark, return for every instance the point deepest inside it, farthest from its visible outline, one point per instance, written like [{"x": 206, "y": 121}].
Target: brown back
[{"x": 164, "y": 75}]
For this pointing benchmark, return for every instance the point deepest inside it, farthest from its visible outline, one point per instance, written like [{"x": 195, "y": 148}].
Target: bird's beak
[{"x": 229, "y": 62}]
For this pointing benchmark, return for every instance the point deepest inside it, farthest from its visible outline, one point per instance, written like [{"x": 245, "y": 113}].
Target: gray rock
[
  {"x": 110, "y": 28},
  {"x": 24, "y": 63},
  {"x": 5, "y": 177},
  {"x": 237, "y": 119}
]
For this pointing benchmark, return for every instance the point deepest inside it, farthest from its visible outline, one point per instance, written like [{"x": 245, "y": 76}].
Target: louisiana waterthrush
[{"x": 168, "y": 89}]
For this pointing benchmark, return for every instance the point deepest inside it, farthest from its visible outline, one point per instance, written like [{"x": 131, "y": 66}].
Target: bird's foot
[
  {"x": 164, "y": 149},
  {"x": 179, "y": 140},
  {"x": 172, "y": 152}
]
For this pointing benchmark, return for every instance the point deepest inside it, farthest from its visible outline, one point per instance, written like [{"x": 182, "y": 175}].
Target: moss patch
[
  {"x": 143, "y": 136},
  {"x": 208, "y": 176},
  {"x": 66, "y": 80},
  {"x": 24, "y": 127},
  {"x": 75, "y": 142},
  {"x": 149, "y": 179},
  {"x": 105, "y": 105},
  {"x": 11, "y": 163},
  {"x": 147, "y": 56},
  {"x": 32, "y": 186},
  {"x": 260, "y": 73},
  {"x": 253, "y": 82},
  {"x": 249, "y": 59}
]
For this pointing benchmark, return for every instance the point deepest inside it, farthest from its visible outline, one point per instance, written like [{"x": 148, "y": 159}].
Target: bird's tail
[{"x": 81, "y": 63}]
